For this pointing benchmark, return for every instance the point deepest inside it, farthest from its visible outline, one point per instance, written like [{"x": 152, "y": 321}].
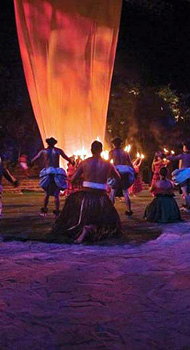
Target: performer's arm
[
  {"x": 129, "y": 161},
  {"x": 38, "y": 155},
  {"x": 77, "y": 174},
  {"x": 114, "y": 172},
  {"x": 140, "y": 162},
  {"x": 110, "y": 157},
  {"x": 152, "y": 166},
  {"x": 178, "y": 157},
  {"x": 9, "y": 177},
  {"x": 152, "y": 188},
  {"x": 64, "y": 156}
]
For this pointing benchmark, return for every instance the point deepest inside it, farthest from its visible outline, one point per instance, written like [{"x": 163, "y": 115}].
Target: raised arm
[
  {"x": 38, "y": 155},
  {"x": 129, "y": 160},
  {"x": 178, "y": 157},
  {"x": 64, "y": 156},
  {"x": 137, "y": 162}
]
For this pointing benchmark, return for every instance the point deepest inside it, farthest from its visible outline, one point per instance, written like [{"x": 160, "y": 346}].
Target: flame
[
  {"x": 127, "y": 148},
  {"x": 138, "y": 155},
  {"x": 111, "y": 161},
  {"x": 166, "y": 150},
  {"x": 142, "y": 156},
  {"x": 82, "y": 153},
  {"x": 172, "y": 152},
  {"x": 105, "y": 154}
]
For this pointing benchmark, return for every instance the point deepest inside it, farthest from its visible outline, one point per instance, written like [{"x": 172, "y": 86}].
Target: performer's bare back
[
  {"x": 51, "y": 156},
  {"x": 95, "y": 169}
]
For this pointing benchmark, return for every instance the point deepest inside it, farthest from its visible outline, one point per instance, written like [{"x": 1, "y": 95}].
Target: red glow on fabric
[{"x": 68, "y": 51}]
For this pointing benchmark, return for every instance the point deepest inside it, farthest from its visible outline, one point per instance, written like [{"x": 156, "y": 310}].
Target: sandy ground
[{"x": 122, "y": 295}]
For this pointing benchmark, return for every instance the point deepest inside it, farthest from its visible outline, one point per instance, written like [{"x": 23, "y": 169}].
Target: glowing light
[
  {"x": 82, "y": 153},
  {"x": 111, "y": 161},
  {"x": 172, "y": 152},
  {"x": 105, "y": 155},
  {"x": 98, "y": 139},
  {"x": 142, "y": 156},
  {"x": 166, "y": 150},
  {"x": 68, "y": 51},
  {"x": 127, "y": 148},
  {"x": 164, "y": 159},
  {"x": 138, "y": 155}
]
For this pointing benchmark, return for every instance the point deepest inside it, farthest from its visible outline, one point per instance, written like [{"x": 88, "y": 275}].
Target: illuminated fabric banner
[{"x": 68, "y": 50}]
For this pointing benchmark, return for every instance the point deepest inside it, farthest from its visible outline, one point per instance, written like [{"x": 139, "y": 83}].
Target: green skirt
[{"x": 163, "y": 209}]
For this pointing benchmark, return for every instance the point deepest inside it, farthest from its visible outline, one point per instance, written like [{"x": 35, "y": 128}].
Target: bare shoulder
[
  {"x": 87, "y": 161},
  {"x": 58, "y": 150}
]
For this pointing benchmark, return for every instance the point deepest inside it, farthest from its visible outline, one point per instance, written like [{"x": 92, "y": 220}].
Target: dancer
[
  {"x": 5, "y": 173},
  {"x": 163, "y": 208},
  {"x": 52, "y": 178},
  {"x": 23, "y": 160},
  {"x": 123, "y": 164},
  {"x": 182, "y": 176},
  {"x": 137, "y": 185},
  {"x": 157, "y": 164},
  {"x": 89, "y": 214},
  {"x": 73, "y": 187}
]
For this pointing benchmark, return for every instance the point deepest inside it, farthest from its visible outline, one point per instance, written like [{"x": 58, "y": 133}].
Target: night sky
[{"x": 154, "y": 40}]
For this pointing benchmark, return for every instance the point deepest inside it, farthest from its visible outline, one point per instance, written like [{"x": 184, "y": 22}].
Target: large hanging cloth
[{"x": 68, "y": 50}]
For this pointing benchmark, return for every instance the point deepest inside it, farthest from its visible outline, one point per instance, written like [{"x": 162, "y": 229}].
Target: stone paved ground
[{"x": 125, "y": 295}]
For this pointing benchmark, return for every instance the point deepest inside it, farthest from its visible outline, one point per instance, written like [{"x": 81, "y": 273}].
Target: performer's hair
[
  {"x": 158, "y": 154},
  {"x": 117, "y": 141},
  {"x": 187, "y": 144},
  {"x": 96, "y": 147},
  {"x": 163, "y": 172}
]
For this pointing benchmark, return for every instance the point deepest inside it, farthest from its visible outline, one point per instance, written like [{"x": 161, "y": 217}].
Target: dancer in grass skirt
[
  {"x": 163, "y": 208},
  {"x": 137, "y": 186},
  {"x": 89, "y": 214},
  {"x": 52, "y": 177},
  {"x": 71, "y": 168},
  {"x": 123, "y": 164},
  {"x": 158, "y": 163}
]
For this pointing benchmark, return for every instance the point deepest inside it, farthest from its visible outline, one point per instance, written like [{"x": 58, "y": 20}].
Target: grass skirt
[
  {"x": 84, "y": 208},
  {"x": 163, "y": 209},
  {"x": 52, "y": 180}
]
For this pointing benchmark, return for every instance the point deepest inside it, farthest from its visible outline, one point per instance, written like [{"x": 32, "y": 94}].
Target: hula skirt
[
  {"x": 52, "y": 180},
  {"x": 163, "y": 209},
  {"x": 87, "y": 208}
]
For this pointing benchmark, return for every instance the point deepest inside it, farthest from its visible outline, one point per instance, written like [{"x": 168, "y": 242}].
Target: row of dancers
[{"x": 90, "y": 212}]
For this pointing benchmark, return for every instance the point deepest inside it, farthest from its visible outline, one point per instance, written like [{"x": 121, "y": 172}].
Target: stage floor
[{"x": 129, "y": 295}]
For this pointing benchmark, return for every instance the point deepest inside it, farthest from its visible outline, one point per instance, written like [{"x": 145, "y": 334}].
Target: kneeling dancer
[
  {"x": 52, "y": 178},
  {"x": 89, "y": 213},
  {"x": 163, "y": 208}
]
